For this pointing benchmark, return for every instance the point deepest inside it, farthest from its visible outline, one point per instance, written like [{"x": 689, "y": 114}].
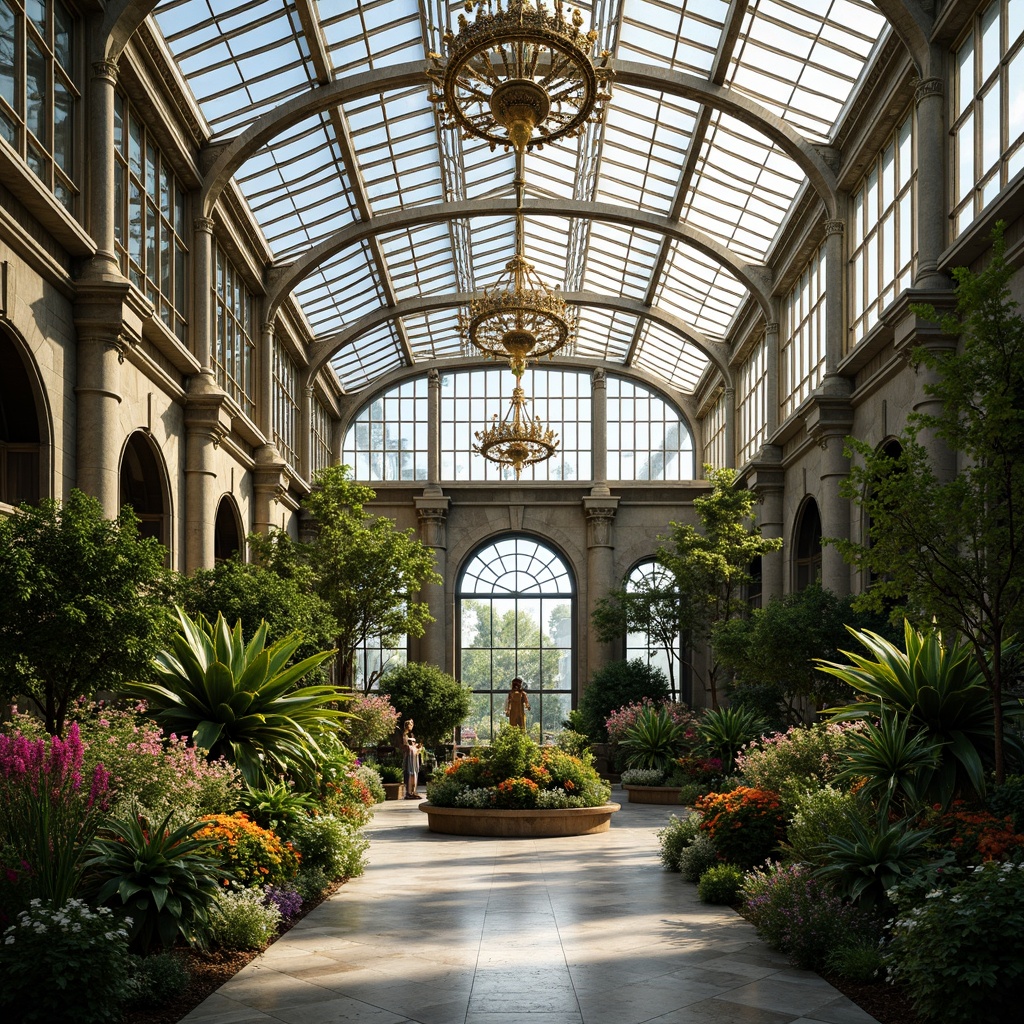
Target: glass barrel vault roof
[{"x": 659, "y": 158}]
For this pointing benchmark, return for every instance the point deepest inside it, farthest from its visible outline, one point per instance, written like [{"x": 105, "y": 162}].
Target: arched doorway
[
  {"x": 227, "y": 530},
  {"x": 807, "y": 549},
  {"x": 19, "y": 429},
  {"x": 516, "y": 603},
  {"x": 142, "y": 487}
]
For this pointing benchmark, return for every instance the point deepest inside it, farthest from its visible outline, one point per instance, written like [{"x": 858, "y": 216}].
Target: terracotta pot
[
  {"x": 473, "y": 821},
  {"x": 394, "y": 790}
]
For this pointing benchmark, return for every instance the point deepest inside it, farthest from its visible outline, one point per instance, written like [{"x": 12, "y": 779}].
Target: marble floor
[{"x": 588, "y": 930}]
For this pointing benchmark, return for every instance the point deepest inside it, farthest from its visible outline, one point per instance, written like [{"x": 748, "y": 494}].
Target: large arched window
[
  {"x": 647, "y": 438},
  {"x": 142, "y": 487},
  {"x": 807, "y": 550},
  {"x": 657, "y": 595},
  {"x": 19, "y": 430},
  {"x": 516, "y": 606},
  {"x": 227, "y": 530}
]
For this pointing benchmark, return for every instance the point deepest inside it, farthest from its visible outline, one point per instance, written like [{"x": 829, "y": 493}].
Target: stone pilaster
[
  {"x": 729, "y": 398},
  {"x": 767, "y": 477},
  {"x": 600, "y": 513},
  {"x": 932, "y": 201},
  {"x": 835, "y": 302},
  {"x": 100, "y": 216},
  {"x": 207, "y": 422},
  {"x": 434, "y": 645},
  {"x": 202, "y": 291},
  {"x": 433, "y": 433},
  {"x": 270, "y": 480},
  {"x": 599, "y": 433}
]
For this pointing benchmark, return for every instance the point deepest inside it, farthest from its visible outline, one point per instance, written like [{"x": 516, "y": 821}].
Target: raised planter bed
[
  {"x": 652, "y": 794},
  {"x": 394, "y": 790},
  {"x": 533, "y": 824}
]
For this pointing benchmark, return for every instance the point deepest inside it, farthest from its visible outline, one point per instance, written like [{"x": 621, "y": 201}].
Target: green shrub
[
  {"x": 801, "y": 915},
  {"x": 391, "y": 772},
  {"x": 276, "y": 806},
  {"x": 370, "y": 777},
  {"x": 959, "y": 952},
  {"x": 373, "y": 720},
  {"x": 696, "y": 858},
  {"x": 857, "y": 960},
  {"x": 250, "y": 855},
  {"x": 64, "y": 966},
  {"x": 678, "y": 834},
  {"x": 654, "y": 740},
  {"x": 691, "y": 792},
  {"x": 720, "y": 884},
  {"x": 436, "y": 701},
  {"x": 643, "y": 777},
  {"x": 331, "y": 844},
  {"x": 310, "y": 884},
  {"x": 746, "y": 824},
  {"x": 1009, "y": 799},
  {"x": 818, "y": 816},
  {"x": 614, "y": 686},
  {"x": 803, "y": 757},
  {"x": 575, "y": 743},
  {"x": 157, "y": 979},
  {"x": 725, "y": 731},
  {"x": 239, "y": 919}
]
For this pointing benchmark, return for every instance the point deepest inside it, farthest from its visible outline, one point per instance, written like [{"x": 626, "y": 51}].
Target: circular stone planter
[
  {"x": 473, "y": 821},
  {"x": 652, "y": 794}
]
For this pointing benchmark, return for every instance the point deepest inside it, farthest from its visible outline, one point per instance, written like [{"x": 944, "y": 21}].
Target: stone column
[
  {"x": 433, "y": 433},
  {"x": 207, "y": 422},
  {"x": 767, "y": 478},
  {"x": 265, "y": 382},
  {"x": 600, "y": 512},
  {"x": 270, "y": 480},
  {"x": 202, "y": 291},
  {"x": 835, "y": 304},
  {"x": 932, "y": 203},
  {"x": 305, "y": 454},
  {"x": 771, "y": 381},
  {"x": 435, "y": 647},
  {"x": 97, "y": 399},
  {"x": 729, "y": 398},
  {"x": 599, "y": 433},
  {"x": 101, "y": 217}
]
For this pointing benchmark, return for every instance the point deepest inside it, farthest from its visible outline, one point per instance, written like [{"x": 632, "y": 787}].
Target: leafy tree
[
  {"x": 274, "y": 591},
  {"x": 775, "y": 648},
  {"x": 82, "y": 606},
  {"x": 648, "y": 605},
  {"x": 951, "y": 551},
  {"x": 435, "y": 700},
  {"x": 712, "y": 565},
  {"x": 367, "y": 570}
]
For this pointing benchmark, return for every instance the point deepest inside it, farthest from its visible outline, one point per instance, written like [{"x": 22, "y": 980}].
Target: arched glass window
[
  {"x": 658, "y": 644},
  {"x": 516, "y": 606},
  {"x": 142, "y": 487},
  {"x": 647, "y": 438},
  {"x": 387, "y": 441},
  {"x": 807, "y": 559}
]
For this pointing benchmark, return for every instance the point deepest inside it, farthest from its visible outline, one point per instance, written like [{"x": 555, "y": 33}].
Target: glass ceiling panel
[
  {"x": 801, "y": 58},
  {"x": 381, "y": 153},
  {"x": 375, "y": 353},
  {"x": 699, "y": 291},
  {"x": 671, "y": 356}
]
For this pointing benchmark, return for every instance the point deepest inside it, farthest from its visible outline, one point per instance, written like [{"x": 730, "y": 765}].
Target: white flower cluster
[
  {"x": 474, "y": 798},
  {"x": 40, "y": 918},
  {"x": 642, "y": 777}
]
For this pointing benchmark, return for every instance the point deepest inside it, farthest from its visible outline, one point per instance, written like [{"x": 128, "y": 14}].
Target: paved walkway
[{"x": 589, "y": 930}]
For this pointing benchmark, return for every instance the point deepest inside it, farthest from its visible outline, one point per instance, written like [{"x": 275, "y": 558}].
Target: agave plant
[
  {"x": 163, "y": 879},
  {"x": 895, "y": 764},
  {"x": 727, "y": 730},
  {"x": 941, "y": 691},
  {"x": 239, "y": 699},
  {"x": 653, "y": 740}
]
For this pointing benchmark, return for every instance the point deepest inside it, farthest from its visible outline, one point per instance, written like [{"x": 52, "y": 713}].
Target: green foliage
[
  {"x": 238, "y": 699},
  {"x": 391, "y": 772},
  {"x": 373, "y": 720},
  {"x": 697, "y": 858},
  {"x": 950, "y": 547},
  {"x": 311, "y": 883},
  {"x": 67, "y": 965},
  {"x": 676, "y": 837},
  {"x": 818, "y": 816},
  {"x": 331, "y": 845},
  {"x": 432, "y": 698},
  {"x": 802, "y": 916},
  {"x": 615, "y": 685},
  {"x": 511, "y": 754},
  {"x": 893, "y": 764},
  {"x": 873, "y": 859},
  {"x": 720, "y": 884},
  {"x": 275, "y": 807},
  {"x": 81, "y": 607},
  {"x": 654, "y": 740},
  {"x": 1008, "y": 798},
  {"x": 726, "y": 730},
  {"x": 711, "y": 565},
  {"x": 575, "y": 743},
  {"x": 367, "y": 570},
  {"x": 281, "y": 594},
  {"x": 857, "y": 960},
  {"x": 801, "y": 757},
  {"x": 241, "y": 919},
  {"x": 776, "y": 648},
  {"x": 959, "y": 952},
  {"x": 162, "y": 878},
  {"x": 642, "y": 777},
  {"x": 941, "y": 692},
  {"x": 746, "y": 825},
  {"x": 371, "y": 779},
  {"x": 157, "y": 979}
]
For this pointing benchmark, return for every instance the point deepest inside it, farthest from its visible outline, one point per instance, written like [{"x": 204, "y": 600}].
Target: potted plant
[
  {"x": 394, "y": 782},
  {"x": 516, "y": 788}
]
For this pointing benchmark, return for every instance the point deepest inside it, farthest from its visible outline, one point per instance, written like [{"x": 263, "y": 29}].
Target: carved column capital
[
  {"x": 203, "y": 225},
  {"x": 432, "y": 512},
  {"x": 105, "y": 71},
  {"x": 835, "y": 227},
  {"x": 928, "y": 87},
  {"x": 600, "y": 511}
]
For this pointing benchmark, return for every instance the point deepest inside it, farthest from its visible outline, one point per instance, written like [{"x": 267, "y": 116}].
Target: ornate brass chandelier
[
  {"x": 519, "y": 75},
  {"x": 517, "y": 440}
]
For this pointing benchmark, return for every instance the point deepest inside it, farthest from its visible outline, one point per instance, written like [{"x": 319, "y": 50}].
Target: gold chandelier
[
  {"x": 518, "y": 70},
  {"x": 517, "y": 440}
]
